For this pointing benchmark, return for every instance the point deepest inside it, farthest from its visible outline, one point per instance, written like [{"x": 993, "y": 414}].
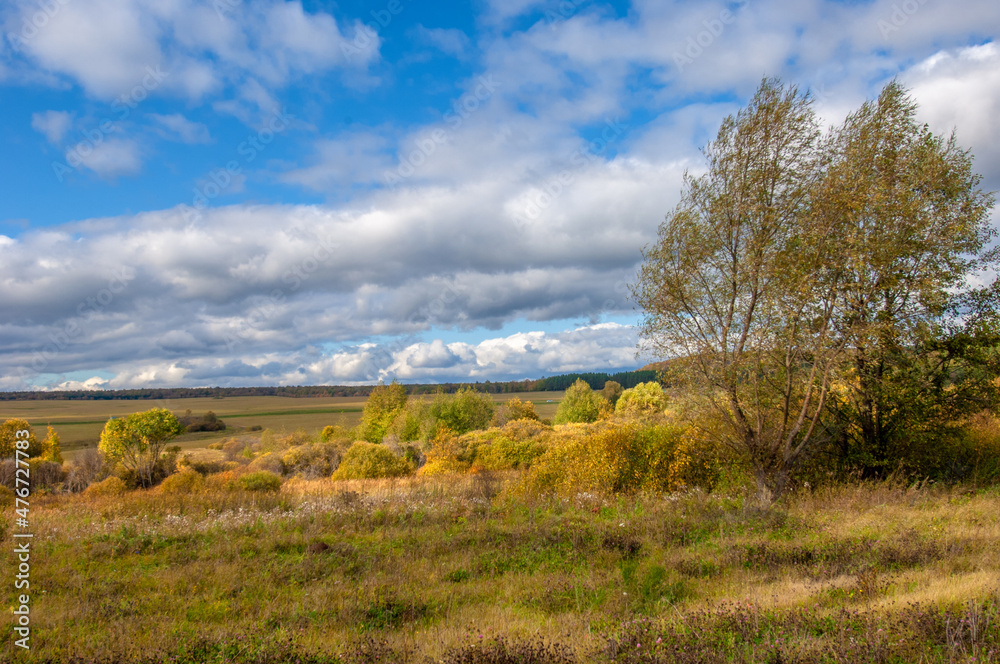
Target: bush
[
  {"x": 370, "y": 461},
  {"x": 619, "y": 458},
  {"x": 512, "y": 410},
  {"x": 444, "y": 456},
  {"x": 312, "y": 461},
  {"x": 333, "y": 432},
  {"x": 45, "y": 474},
  {"x": 579, "y": 404},
  {"x": 504, "y": 453},
  {"x": 85, "y": 469},
  {"x": 184, "y": 482},
  {"x": 270, "y": 462},
  {"x": 642, "y": 400},
  {"x": 7, "y": 497},
  {"x": 467, "y": 410},
  {"x": 381, "y": 408},
  {"x": 8, "y": 438},
  {"x": 112, "y": 486},
  {"x": 225, "y": 481},
  {"x": 261, "y": 480},
  {"x": 233, "y": 448}
]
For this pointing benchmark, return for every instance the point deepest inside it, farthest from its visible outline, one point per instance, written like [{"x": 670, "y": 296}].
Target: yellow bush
[
  {"x": 445, "y": 455},
  {"x": 365, "y": 460},
  {"x": 7, "y": 496},
  {"x": 186, "y": 481},
  {"x": 504, "y": 453},
  {"x": 615, "y": 458},
  {"x": 112, "y": 486},
  {"x": 225, "y": 481},
  {"x": 270, "y": 462}
]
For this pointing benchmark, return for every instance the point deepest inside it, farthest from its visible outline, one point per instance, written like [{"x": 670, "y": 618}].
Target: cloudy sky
[{"x": 259, "y": 192}]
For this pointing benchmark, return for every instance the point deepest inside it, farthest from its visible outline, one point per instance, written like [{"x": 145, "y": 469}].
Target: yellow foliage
[
  {"x": 186, "y": 481},
  {"x": 112, "y": 486},
  {"x": 443, "y": 457}
]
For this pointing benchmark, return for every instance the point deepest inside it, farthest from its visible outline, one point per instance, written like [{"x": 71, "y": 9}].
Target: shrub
[
  {"x": 45, "y": 474},
  {"x": 612, "y": 391},
  {"x": 85, "y": 469},
  {"x": 444, "y": 455},
  {"x": 270, "y": 462},
  {"x": 186, "y": 481},
  {"x": 312, "y": 461},
  {"x": 233, "y": 448},
  {"x": 619, "y": 458},
  {"x": 261, "y": 480},
  {"x": 370, "y": 461},
  {"x": 579, "y": 404},
  {"x": 225, "y": 481},
  {"x": 52, "y": 447},
  {"x": 381, "y": 408},
  {"x": 112, "y": 486},
  {"x": 333, "y": 432},
  {"x": 504, "y": 453},
  {"x": 512, "y": 410},
  {"x": 642, "y": 400},
  {"x": 7, "y": 496},
  {"x": 467, "y": 410}
]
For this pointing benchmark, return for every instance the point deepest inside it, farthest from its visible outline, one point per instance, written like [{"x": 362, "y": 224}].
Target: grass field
[
  {"x": 458, "y": 569},
  {"x": 79, "y": 423}
]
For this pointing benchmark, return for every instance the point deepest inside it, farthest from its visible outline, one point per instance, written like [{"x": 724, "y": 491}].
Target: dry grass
[{"x": 458, "y": 569}]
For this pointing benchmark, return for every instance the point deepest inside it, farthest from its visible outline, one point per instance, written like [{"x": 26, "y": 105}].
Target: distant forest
[{"x": 627, "y": 379}]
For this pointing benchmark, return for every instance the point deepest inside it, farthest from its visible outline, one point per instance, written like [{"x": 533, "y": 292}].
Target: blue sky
[{"x": 240, "y": 192}]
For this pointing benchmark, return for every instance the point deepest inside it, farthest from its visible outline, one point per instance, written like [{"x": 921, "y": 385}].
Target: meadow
[
  {"x": 465, "y": 569},
  {"x": 462, "y": 530},
  {"x": 79, "y": 423}
]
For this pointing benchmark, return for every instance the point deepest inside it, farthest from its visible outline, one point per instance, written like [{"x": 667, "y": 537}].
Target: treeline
[{"x": 626, "y": 379}]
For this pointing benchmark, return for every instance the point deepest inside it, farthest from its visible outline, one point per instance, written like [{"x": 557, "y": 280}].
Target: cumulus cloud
[
  {"x": 109, "y": 158},
  {"x": 106, "y": 46}
]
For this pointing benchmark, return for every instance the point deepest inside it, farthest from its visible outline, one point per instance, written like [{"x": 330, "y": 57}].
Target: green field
[{"x": 79, "y": 423}]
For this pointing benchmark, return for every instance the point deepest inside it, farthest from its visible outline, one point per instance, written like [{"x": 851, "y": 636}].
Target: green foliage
[
  {"x": 261, "y": 480},
  {"x": 410, "y": 422},
  {"x": 579, "y": 404},
  {"x": 136, "y": 440},
  {"x": 365, "y": 460},
  {"x": 382, "y": 407},
  {"x": 466, "y": 410},
  {"x": 643, "y": 399},
  {"x": 8, "y": 438}
]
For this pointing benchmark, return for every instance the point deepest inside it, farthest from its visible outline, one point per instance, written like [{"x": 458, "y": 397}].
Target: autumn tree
[
  {"x": 913, "y": 230},
  {"x": 738, "y": 289},
  {"x": 579, "y": 404},
  {"x": 383, "y": 405},
  {"x": 137, "y": 440},
  {"x": 8, "y": 438}
]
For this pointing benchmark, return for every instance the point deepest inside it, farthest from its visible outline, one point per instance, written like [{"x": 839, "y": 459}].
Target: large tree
[
  {"x": 912, "y": 227},
  {"x": 737, "y": 287},
  {"x": 797, "y": 264}
]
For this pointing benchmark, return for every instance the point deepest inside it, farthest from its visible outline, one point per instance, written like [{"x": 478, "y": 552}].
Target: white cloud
[
  {"x": 450, "y": 41},
  {"x": 52, "y": 124},
  {"x": 109, "y": 158},
  {"x": 106, "y": 46},
  {"x": 959, "y": 91},
  {"x": 176, "y": 127}
]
